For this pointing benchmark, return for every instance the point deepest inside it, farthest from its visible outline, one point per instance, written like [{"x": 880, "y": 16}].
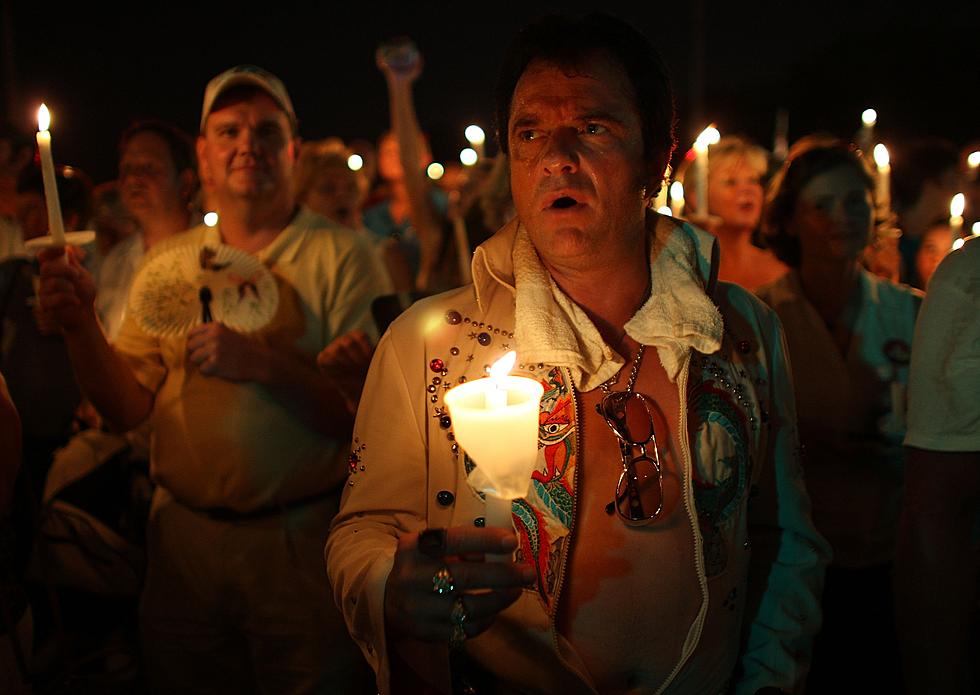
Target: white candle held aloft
[
  {"x": 956, "y": 207},
  {"x": 709, "y": 136},
  {"x": 476, "y": 137},
  {"x": 56, "y": 227},
  {"x": 883, "y": 189},
  {"x": 676, "y": 199},
  {"x": 869, "y": 117}
]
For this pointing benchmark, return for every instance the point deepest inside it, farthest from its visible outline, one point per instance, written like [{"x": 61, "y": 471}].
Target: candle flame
[
  {"x": 468, "y": 156},
  {"x": 869, "y": 117},
  {"x": 975, "y": 229},
  {"x": 355, "y": 162},
  {"x": 881, "y": 155},
  {"x": 957, "y": 205},
  {"x": 664, "y": 210},
  {"x": 475, "y": 135},
  {"x": 958, "y": 244},
  {"x": 973, "y": 159},
  {"x": 677, "y": 191},
  {"x": 708, "y": 136},
  {"x": 43, "y": 118},
  {"x": 502, "y": 367},
  {"x": 435, "y": 171}
]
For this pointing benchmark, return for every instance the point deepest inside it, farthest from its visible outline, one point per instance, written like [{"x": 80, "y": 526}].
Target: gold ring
[
  {"x": 458, "y": 619},
  {"x": 443, "y": 582}
]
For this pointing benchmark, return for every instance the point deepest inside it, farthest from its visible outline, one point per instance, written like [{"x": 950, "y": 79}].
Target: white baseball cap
[{"x": 248, "y": 75}]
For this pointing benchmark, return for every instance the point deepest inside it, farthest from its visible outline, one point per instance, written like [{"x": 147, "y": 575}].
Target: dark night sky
[{"x": 100, "y": 67}]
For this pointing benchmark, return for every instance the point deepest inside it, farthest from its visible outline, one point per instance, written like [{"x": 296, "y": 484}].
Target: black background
[{"x": 100, "y": 66}]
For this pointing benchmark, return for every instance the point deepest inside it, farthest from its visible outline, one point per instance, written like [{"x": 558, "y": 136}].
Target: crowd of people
[{"x": 759, "y": 442}]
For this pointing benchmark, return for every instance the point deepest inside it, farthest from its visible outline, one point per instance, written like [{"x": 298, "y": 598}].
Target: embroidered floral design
[
  {"x": 544, "y": 520},
  {"x": 719, "y": 424}
]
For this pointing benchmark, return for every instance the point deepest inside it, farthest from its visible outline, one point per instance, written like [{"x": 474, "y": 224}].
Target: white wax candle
[
  {"x": 502, "y": 441},
  {"x": 883, "y": 184},
  {"x": 495, "y": 396},
  {"x": 56, "y": 227},
  {"x": 956, "y": 207},
  {"x": 676, "y": 199}
]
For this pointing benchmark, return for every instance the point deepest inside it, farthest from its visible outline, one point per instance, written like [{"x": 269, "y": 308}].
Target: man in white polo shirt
[{"x": 247, "y": 446}]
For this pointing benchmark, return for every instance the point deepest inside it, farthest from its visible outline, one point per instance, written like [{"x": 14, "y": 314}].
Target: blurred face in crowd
[
  {"x": 247, "y": 151},
  {"x": 936, "y": 243},
  {"x": 149, "y": 183},
  {"x": 336, "y": 193},
  {"x": 833, "y": 216},
  {"x": 735, "y": 192},
  {"x": 578, "y": 174}
]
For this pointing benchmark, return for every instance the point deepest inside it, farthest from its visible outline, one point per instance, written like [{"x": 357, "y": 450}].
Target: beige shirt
[
  {"x": 220, "y": 444},
  {"x": 851, "y": 408}
]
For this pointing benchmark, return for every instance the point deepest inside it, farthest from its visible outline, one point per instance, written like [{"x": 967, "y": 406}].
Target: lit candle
[
  {"x": 468, "y": 156},
  {"x": 883, "y": 188},
  {"x": 676, "y": 199},
  {"x": 956, "y": 207},
  {"x": 495, "y": 420},
  {"x": 866, "y": 135},
  {"x": 709, "y": 136},
  {"x": 56, "y": 227},
  {"x": 973, "y": 160},
  {"x": 435, "y": 171},
  {"x": 476, "y": 137}
]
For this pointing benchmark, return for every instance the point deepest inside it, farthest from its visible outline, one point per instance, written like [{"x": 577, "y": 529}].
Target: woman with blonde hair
[{"x": 736, "y": 172}]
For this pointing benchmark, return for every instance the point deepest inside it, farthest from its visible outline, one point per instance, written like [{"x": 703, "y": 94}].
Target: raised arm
[{"x": 401, "y": 67}]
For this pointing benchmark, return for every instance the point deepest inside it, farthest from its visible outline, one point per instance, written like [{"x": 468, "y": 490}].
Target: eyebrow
[{"x": 589, "y": 116}]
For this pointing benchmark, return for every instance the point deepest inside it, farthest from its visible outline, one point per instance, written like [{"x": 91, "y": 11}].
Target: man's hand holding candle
[{"x": 437, "y": 570}]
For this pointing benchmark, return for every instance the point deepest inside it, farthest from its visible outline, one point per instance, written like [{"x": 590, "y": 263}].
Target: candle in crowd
[
  {"x": 676, "y": 199},
  {"x": 476, "y": 137},
  {"x": 708, "y": 137},
  {"x": 56, "y": 227},
  {"x": 869, "y": 117},
  {"x": 956, "y": 207},
  {"x": 883, "y": 187},
  {"x": 495, "y": 421}
]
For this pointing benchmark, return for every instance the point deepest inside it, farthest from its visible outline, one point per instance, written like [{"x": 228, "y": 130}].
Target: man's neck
[
  {"x": 158, "y": 227},
  {"x": 250, "y": 226},
  {"x": 610, "y": 295}
]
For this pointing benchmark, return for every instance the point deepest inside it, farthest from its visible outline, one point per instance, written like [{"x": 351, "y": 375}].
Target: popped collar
[{"x": 550, "y": 328}]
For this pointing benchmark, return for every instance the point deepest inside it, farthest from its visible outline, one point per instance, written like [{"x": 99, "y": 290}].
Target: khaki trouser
[{"x": 243, "y": 606}]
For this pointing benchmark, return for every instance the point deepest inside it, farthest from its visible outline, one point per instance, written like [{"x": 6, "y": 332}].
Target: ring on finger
[
  {"x": 458, "y": 618},
  {"x": 443, "y": 582}
]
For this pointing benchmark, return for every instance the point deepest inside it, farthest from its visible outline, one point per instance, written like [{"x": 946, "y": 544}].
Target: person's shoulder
[
  {"x": 732, "y": 297},
  {"x": 779, "y": 290},
  {"x": 316, "y": 232},
  {"x": 449, "y": 308},
  {"x": 122, "y": 249},
  {"x": 960, "y": 268},
  {"x": 894, "y": 295},
  {"x": 194, "y": 235}
]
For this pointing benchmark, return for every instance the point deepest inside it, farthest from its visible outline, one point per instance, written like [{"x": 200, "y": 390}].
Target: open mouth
[{"x": 564, "y": 203}]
